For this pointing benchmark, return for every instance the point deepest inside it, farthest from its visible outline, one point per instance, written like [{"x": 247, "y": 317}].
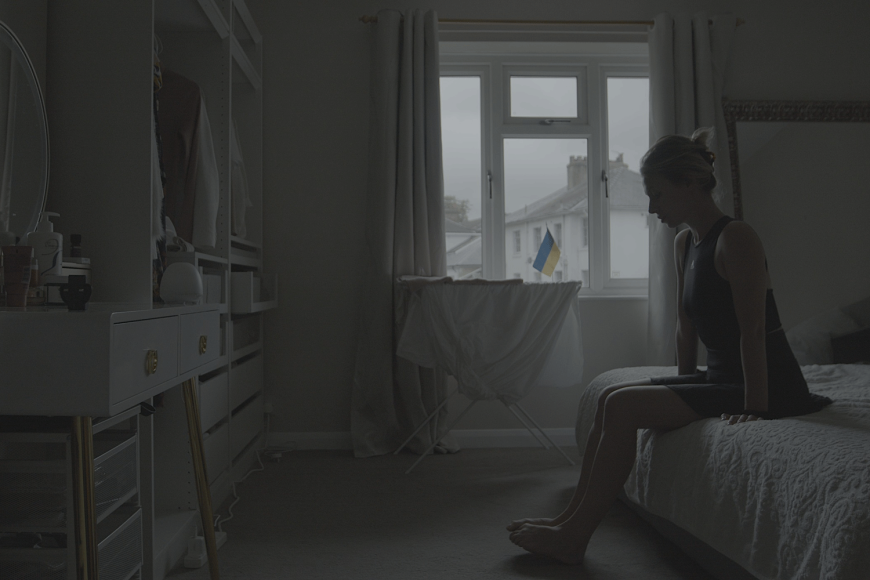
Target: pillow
[{"x": 811, "y": 339}]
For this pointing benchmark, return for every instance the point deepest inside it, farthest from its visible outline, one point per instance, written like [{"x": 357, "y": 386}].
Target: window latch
[
  {"x": 551, "y": 121},
  {"x": 489, "y": 182},
  {"x": 605, "y": 180}
]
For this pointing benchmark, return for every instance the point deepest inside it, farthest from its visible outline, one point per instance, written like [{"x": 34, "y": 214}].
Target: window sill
[{"x": 609, "y": 296}]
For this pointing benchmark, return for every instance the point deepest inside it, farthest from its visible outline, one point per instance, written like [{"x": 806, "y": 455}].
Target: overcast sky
[{"x": 533, "y": 167}]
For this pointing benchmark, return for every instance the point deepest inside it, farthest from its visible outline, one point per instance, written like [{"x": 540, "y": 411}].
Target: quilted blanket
[{"x": 787, "y": 499}]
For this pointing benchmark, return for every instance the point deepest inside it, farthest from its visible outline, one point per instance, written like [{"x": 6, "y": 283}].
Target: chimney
[{"x": 577, "y": 170}]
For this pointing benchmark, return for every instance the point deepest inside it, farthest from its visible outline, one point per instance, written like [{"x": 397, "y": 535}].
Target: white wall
[
  {"x": 28, "y": 21},
  {"x": 317, "y": 64},
  {"x": 807, "y": 195}
]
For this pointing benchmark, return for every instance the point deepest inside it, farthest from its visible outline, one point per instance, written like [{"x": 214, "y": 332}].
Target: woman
[{"x": 726, "y": 301}]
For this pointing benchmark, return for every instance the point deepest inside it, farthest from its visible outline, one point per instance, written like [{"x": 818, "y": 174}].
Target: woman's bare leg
[
  {"x": 626, "y": 411},
  {"x": 586, "y": 466}
]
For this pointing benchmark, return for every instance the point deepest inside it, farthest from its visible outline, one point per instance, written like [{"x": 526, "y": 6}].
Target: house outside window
[{"x": 527, "y": 137}]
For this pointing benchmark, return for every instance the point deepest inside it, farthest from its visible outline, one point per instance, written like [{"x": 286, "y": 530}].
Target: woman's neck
[{"x": 704, "y": 219}]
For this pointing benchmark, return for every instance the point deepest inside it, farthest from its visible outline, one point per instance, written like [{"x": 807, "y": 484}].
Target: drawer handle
[
  {"x": 203, "y": 344},
  {"x": 150, "y": 362}
]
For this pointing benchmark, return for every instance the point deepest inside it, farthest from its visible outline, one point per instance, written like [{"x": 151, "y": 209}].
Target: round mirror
[{"x": 23, "y": 140}]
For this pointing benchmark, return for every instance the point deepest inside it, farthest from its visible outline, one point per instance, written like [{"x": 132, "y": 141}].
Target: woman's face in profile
[{"x": 668, "y": 200}]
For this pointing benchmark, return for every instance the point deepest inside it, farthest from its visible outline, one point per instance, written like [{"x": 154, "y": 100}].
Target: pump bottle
[{"x": 47, "y": 246}]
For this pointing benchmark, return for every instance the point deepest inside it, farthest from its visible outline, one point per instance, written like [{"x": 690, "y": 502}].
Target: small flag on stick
[{"x": 548, "y": 255}]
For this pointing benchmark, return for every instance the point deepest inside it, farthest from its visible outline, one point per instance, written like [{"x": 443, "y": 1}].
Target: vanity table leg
[
  {"x": 85, "y": 516},
  {"x": 194, "y": 428}
]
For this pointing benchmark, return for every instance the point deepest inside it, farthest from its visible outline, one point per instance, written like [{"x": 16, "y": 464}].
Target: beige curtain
[
  {"x": 688, "y": 57},
  {"x": 404, "y": 232}
]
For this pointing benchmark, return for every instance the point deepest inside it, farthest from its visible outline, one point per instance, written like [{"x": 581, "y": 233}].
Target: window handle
[
  {"x": 489, "y": 182},
  {"x": 605, "y": 180},
  {"x": 551, "y": 121}
]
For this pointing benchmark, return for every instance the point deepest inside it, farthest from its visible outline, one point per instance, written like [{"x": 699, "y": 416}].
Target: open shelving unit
[{"x": 215, "y": 43}]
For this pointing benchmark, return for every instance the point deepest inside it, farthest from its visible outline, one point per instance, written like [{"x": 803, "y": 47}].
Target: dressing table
[
  {"x": 118, "y": 409},
  {"x": 96, "y": 367}
]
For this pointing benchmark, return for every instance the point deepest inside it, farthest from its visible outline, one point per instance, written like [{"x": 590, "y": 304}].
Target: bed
[{"x": 787, "y": 499}]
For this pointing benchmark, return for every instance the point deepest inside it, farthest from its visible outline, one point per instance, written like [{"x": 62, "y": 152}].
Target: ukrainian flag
[{"x": 548, "y": 255}]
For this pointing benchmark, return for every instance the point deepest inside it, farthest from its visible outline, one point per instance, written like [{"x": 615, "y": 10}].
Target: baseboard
[{"x": 467, "y": 438}]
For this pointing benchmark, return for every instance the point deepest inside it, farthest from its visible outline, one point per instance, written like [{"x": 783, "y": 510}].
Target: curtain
[
  {"x": 688, "y": 57},
  {"x": 404, "y": 233}
]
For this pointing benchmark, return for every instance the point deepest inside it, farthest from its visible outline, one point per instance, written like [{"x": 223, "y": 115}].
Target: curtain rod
[{"x": 374, "y": 19}]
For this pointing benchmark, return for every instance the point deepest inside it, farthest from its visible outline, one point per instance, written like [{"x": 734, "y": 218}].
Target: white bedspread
[{"x": 787, "y": 499}]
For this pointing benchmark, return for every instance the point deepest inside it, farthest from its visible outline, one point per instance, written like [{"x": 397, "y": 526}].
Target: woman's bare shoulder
[
  {"x": 740, "y": 235},
  {"x": 739, "y": 244}
]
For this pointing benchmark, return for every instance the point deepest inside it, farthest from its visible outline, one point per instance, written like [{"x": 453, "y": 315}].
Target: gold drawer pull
[
  {"x": 203, "y": 344},
  {"x": 150, "y": 362}
]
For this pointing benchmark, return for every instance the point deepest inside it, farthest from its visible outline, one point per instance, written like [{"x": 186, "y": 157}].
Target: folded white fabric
[
  {"x": 498, "y": 340},
  {"x": 173, "y": 242}
]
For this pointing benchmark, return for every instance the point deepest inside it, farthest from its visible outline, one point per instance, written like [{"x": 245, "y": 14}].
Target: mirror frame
[
  {"x": 785, "y": 111},
  {"x": 33, "y": 80}
]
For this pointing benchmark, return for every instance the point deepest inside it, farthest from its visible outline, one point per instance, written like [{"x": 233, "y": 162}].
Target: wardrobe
[{"x": 100, "y": 72}]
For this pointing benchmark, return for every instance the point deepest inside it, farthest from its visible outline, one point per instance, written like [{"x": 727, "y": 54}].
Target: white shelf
[
  {"x": 171, "y": 531},
  {"x": 195, "y": 258},
  {"x": 246, "y": 244},
  {"x": 246, "y": 350},
  {"x": 245, "y": 64},
  {"x": 245, "y": 298},
  {"x": 245, "y": 261}
]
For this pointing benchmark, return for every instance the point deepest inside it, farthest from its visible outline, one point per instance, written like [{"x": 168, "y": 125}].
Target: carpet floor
[{"x": 326, "y": 515}]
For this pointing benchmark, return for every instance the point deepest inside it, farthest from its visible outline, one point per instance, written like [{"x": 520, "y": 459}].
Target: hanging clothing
[
  {"x": 192, "y": 176},
  {"x": 158, "y": 192},
  {"x": 239, "y": 189}
]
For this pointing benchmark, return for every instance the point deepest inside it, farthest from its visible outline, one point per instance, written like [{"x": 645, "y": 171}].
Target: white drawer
[
  {"x": 215, "y": 448},
  {"x": 246, "y": 425},
  {"x": 136, "y": 343},
  {"x": 198, "y": 339},
  {"x": 246, "y": 379},
  {"x": 213, "y": 400}
]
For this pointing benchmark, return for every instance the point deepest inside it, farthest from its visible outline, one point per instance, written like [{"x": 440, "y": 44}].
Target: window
[{"x": 547, "y": 137}]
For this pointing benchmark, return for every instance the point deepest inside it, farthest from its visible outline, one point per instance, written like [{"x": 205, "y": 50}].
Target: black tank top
[{"x": 709, "y": 303}]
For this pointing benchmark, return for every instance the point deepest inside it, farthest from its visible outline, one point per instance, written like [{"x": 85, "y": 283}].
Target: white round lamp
[{"x": 181, "y": 284}]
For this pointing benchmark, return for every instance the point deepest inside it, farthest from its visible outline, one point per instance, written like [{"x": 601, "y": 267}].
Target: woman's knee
[
  {"x": 619, "y": 407},
  {"x": 602, "y": 401}
]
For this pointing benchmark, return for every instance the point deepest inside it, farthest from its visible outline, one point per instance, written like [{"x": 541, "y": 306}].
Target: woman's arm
[
  {"x": 687, "y": 336},
  {"x": 740, "y": 256}
]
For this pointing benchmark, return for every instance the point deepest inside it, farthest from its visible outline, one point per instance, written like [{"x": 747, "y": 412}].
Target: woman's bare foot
[
  {"x": 549, "y": 522},
  {"x": 553, "y": 542}
]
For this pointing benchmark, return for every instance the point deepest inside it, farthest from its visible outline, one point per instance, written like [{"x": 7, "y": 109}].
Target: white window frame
[{"x": 592, "y": 65}]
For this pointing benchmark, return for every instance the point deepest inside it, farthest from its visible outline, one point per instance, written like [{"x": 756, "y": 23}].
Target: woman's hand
[{"x": 743, "y": 418}]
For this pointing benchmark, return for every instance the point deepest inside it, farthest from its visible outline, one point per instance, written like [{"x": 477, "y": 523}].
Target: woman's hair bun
[{"x": 703, "y": 136}]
